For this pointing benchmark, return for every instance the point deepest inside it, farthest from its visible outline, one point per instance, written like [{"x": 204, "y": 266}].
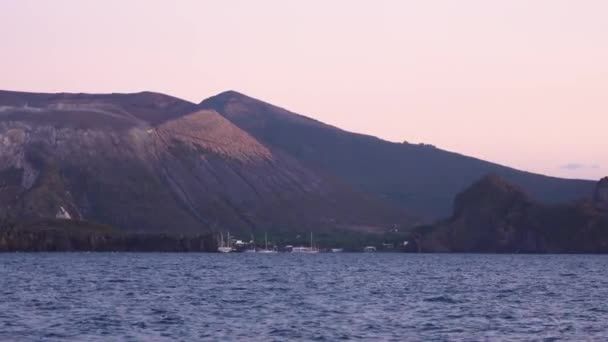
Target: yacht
[
  {"x": 224, "y": 247},
  {"x": 303, "y": 249},
  {"x": 250, "y": 246},
  {"x": 266, "y": 250}
]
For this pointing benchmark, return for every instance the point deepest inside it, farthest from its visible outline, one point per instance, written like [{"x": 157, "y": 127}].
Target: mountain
[
  {"x": 151, "y": 163},
  {"x": 495, "y": 216},
  {"x": 421, "y": 178}
]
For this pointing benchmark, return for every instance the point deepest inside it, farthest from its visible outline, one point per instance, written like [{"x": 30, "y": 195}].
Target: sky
[{"x": 523, "y": 83}]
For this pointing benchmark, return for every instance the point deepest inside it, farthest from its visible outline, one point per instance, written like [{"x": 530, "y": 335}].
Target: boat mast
[
  {"x": 266, "y": 240},
  {"x": 311, "y": 248}
]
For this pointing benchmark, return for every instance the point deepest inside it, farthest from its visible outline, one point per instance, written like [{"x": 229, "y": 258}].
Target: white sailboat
[
  {"x": 224, "y": 248},
  {"x": 303, "y": 249},
  {"x": 251, "y": 248},
  {"x": 266, "y": 250}
]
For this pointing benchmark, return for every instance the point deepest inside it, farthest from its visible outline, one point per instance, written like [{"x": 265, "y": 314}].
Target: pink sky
[{"x": 519, "y": 82}]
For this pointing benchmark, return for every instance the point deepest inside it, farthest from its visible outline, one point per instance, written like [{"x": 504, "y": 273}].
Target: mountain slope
[
  {"x": 420, "y": 178},
  {"x": 149, "y": 162}
]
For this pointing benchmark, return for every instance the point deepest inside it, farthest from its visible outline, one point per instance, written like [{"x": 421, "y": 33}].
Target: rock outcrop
[
  {"x": 601, "y": 194},
  {"x": 496, "y": 217}
]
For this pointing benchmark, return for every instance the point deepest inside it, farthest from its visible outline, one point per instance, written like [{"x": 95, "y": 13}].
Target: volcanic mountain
[
  {"x": 421, "y": 178},
  {"x": 148, "y": 162}
]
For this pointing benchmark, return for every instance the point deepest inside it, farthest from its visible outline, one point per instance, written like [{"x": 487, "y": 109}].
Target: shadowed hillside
[
  {"x": 420, "y": 178},
  {"x": 495, "y": 216}
]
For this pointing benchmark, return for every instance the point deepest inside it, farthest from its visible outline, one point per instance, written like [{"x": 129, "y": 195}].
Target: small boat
[
  {"x": 337, "y": 250},
  {"x": 266, "y": 250},
  {"x": 250, "y": 247},
  {"x": 369, "y": 249},
  {"x": 302, "y": 249},
  {"x": 224, "y": 247}
]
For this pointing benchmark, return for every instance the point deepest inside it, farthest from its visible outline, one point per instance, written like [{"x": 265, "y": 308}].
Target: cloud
[{"x": 578, "y": 166}]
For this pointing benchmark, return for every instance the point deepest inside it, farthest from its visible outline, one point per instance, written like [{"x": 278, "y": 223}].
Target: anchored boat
[
  {"x": 266, "y": 250},
  {"x": 225, "y": 247},
  {"x": 302, "y": 249}
]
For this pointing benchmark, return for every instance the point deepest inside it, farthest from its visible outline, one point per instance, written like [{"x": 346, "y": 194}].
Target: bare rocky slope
[
  {"x": 421, "y": 178},
  {"x": 152, "y": 163}
]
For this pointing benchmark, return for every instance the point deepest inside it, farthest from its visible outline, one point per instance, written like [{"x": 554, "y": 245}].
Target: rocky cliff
[
  {"x": 495, "y": 216},
  {"x": 601, "y": 194}
]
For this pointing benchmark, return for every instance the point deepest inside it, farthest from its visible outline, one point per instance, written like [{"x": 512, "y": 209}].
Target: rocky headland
[{"x": 493, "y": 216}]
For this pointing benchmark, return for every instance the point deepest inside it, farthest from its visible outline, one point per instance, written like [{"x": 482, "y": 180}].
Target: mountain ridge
[
  {"x": 420, "y": 177},
  {"x": 147, "y": 162},
  {"x": 153, "y": 162}
]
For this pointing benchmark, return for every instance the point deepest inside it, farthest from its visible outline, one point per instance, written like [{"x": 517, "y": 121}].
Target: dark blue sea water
[{"x": 326, "y": 297}]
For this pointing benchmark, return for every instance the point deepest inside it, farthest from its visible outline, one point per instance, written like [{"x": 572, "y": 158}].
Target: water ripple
[{"x": 324, "y": 297}]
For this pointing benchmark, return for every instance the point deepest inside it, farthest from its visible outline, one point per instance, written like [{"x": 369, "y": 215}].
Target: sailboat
[
  {"x": 224, "y": 248},
  {"x": 251, "y": 248},
  {"x": 303, "y": 249},
  {"x": 266, "y": 250}
]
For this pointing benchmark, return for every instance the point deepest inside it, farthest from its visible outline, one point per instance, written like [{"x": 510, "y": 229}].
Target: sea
[{"x": 302, "y": 297}]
